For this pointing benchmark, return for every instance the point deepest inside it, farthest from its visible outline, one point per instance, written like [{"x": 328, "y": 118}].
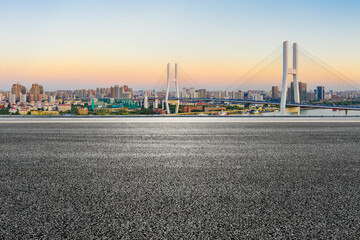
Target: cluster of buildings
[
  {"x": 318, "y": 94},
  {"x": 36, "y": 101},
  {"x": 20, "y": 93},
  {"x": 116, "y": 91}
]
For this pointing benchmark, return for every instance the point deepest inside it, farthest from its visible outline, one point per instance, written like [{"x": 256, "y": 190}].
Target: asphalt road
[{"x": 180, "y": 180}]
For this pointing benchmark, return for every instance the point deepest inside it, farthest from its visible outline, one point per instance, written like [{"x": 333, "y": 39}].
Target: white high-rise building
[
  {"x": 156, "y": 102},
  {"x": 22, "y": 98},
  {"x": 184, "y": 93},
  {"x": 237, "y": 95},
  {"x": 192, "y": 92},
  {"x": 12, "y": 98},
  {"x": 51, "y": 99},
  {"x": 256, "y": 97},
  {"x": 146, "y": 102},
  {"x": 117, "y": 91}
]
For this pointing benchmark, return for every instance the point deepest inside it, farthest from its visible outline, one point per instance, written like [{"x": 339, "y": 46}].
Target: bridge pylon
[
  {"x": 177, "y": 95},
  {"x": 289, "y": 71}
]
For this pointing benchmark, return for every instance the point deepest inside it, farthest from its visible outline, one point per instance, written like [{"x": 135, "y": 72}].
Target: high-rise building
[
  {"x": 36, "y": 90},
  {"x": 192, "y": 92},
  {"x": 12, "y": 99},
  {"x": 249, "y": 94},
  {"x": 126, "y": 92},
  {"x": 201, "y": 93},
  {"x": 237, "y": 95},
  {"x": 117, "y": 91},
  {"x": 302, "y": 91},
  {"x": 292, "y": 92},
  {"x": 112, "y": 92},
  {"x": 288, "y": 95},
  {"x": 126, "y": 95},
  {"x": 241, "y": 94},
  {"x": 320, "y": 92},
  {"x": 184, "y": 93},
  {"x": 275, "y": 92},
  {"x": 51, "y": 99},
  {"x": 310, "y": 96},
  {"x": 16, "y": 90},
  {"x": 256, "y": 97},
  {"x": 22, "y": 98}
]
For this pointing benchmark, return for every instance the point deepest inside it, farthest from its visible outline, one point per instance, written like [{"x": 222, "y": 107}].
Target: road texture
[{"x": 192, "y": 180}]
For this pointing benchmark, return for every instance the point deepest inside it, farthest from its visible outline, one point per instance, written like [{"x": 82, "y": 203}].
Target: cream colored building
[{"x": 64, "y": 107}]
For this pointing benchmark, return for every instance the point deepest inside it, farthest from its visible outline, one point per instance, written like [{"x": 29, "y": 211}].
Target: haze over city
[{"x": 89, "y": 44}]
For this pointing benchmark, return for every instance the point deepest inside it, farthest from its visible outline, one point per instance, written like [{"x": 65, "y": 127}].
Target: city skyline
[{"x": 67, "y": 45}]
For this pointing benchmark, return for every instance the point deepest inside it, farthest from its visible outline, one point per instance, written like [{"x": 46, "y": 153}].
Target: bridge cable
[
  {"x": 253, "y": 68},
  {"x": 330, "y": 67},
  {"x": 332, "y": 72},
  {"x": 160, "y": 81},
  {"x": 257, "y": 73}
]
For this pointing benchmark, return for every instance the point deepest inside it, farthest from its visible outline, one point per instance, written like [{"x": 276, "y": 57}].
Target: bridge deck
[{"x": 355, "y": 108}]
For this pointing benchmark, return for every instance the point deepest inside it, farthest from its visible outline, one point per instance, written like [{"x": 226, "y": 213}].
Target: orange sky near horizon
[
  {"x": 99, "y": 43},
  {"x": 90, "y": 73}
]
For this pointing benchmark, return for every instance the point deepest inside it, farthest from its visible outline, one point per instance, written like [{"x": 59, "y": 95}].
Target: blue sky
[{"x": 41, "y": 39}]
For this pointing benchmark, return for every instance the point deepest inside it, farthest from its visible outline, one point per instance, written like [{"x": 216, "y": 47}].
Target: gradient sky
[{"x": 69, "y": 44}]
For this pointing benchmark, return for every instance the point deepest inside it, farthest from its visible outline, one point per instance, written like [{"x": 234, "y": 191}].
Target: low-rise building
[
  {"x": 82, "y": 111},
  {"x": 189, "y": 109},
  {"x": 48, "y": 107},
  {"x": 53, "y": 113},
  {"x": 64, "y": 107},
  {"x": 13, "y": 110},
  {"x": 35, "y": 113},
  {"x": 159, "y": 111},
  {"x": 23, "y": 110},
  {"x": 207, "y": 109},
  {"x": 45, "y": 113},
  {"x": 4, "y": 104}
]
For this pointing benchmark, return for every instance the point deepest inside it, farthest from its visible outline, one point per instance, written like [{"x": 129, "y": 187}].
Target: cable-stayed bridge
[
  {"x": 308, "y": 82},
  {"x": 301, "y": 85}
]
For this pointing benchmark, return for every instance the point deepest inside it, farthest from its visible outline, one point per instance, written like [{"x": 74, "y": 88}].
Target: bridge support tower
[
  {"x": 289, "y": 71},
  {"x": 177, "y": 95}
]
